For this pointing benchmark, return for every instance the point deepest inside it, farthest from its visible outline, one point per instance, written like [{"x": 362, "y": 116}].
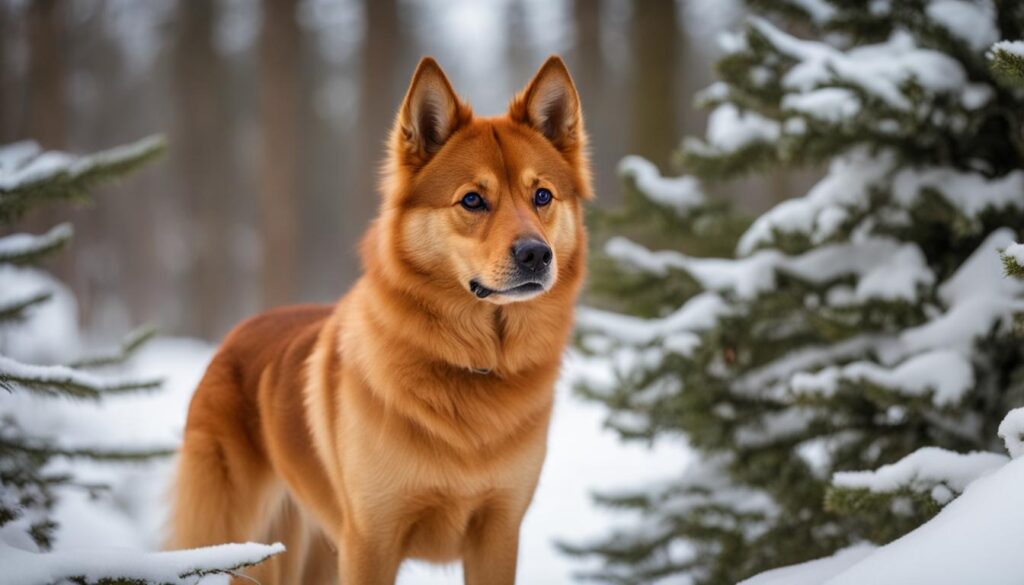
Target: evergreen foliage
[
  {"x": 29, "y": 486},
  {"x": 844, "y": 330}
]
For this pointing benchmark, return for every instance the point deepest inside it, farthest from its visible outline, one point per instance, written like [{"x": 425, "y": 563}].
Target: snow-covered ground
[{"x": 583, "y": 456}]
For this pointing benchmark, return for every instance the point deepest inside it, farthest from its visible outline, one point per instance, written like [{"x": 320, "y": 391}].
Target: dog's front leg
[
  {"x": 364, "y": 560},
  {"x": 492, "y": 551}
]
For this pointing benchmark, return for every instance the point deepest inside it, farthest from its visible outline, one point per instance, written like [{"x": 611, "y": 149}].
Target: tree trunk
[
  {"x": 47, "y": 105},
  {"x": 654, "y": 51},
  {"x": 280, "y": 65},
  {"x": 201, "y": 149}
]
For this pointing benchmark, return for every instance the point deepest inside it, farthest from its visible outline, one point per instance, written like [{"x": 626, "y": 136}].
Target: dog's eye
[
  {"x": 542, "y": 197},
  {"x": 472, "y": 201}
]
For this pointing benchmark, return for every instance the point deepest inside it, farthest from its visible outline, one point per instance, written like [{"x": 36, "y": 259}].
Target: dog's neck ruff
[{"x": 481, "y": 371}]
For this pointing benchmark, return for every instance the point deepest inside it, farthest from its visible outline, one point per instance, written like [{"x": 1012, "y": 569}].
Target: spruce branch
[
  {"x": 51, "y": 176},
  {"x": 1013, "y": 260},
  {"x": 13, "y": 310},
  {"x": 1006, "y": 60},
  {"x": 125, "y": 350},
  {"x": 45, "y": 450},
  {"x": 19, "y": 249},
  {"x": 65, "y": 381}
]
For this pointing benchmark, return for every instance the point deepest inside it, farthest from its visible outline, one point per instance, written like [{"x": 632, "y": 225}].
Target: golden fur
[{"x": 410, "y": 419}]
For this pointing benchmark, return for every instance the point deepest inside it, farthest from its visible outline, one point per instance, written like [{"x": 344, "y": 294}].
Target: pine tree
[
  {"x": 849, "y": 327},
  {"x": 29, "y": 485}
]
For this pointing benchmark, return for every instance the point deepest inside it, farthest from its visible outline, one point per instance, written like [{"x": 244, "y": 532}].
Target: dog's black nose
[{"x": 532, "y": 255}]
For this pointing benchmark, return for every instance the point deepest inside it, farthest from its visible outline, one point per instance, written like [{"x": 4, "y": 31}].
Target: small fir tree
[
  {"x": 30, "y": 482},
  {"x": 851, "y": 326}
]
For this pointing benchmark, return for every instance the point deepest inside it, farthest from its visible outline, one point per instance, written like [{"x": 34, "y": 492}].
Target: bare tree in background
[
  {"x": 6, "y": 28},
  {"x": 654, "y": 45},
  {"x": 47, "y": 106},
  {"x": 381, "y": 54},
  {"x": 201, "y": 141},
  {"x": 280, "y": 68}
]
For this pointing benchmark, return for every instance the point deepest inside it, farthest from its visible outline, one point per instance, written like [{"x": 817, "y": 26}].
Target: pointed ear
[
  {"x": 550, "y": 104},
  {"x": 430, "y": 114}
]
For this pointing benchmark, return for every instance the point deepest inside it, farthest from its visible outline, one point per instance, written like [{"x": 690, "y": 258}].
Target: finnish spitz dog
[{"x": 410, "y": 419}]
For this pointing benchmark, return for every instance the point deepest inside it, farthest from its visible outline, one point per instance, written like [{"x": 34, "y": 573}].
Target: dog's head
[{"x": 489, "y": 208}]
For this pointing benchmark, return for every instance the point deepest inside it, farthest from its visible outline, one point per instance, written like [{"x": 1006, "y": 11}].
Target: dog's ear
[
  {"x": 430, "y": 114},
  {"x": 550, "y": 104}
]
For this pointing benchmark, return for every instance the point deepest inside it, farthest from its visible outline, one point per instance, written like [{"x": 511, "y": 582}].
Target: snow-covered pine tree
[
  {"x": 30, "y": 485},
  {"x": 851, "y": 326}
]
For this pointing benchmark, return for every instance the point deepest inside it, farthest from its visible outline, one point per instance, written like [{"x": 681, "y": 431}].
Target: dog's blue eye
[
  {"x": 472, "y": 201},
  {"x": 542, "y": 197}
]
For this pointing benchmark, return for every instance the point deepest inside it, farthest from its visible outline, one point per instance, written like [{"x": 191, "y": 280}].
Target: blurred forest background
[{"x": 276, "y": 113}]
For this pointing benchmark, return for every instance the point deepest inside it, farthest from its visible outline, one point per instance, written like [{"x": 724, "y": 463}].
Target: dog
[{"x": 410, "y": 419}]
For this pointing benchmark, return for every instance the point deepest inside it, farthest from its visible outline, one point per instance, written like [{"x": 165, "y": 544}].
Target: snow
[
  {"x": 1011, "y": 430},
  {"x": 948, "y": 374},
  {"x": 680, "y": 193},
  {"x": 22, "y": 244},
  {"x": 973, "y": 22},
  {"x": 729, "y": 129},
  {"x": 970, "y": 193},
  {"x": 977, "y": 296},
  {"x": 14, "y": 374},
  {"x": 1015, "y": 48},
  {"x": 846, "y": 187},
  {"x": 820, "y": 11},
  {"x": 1015, "y": 251},
  {"x": 49, "y": 332},
  {"x": 887, "y": 269},
  {"x": 92, "y": 564},
  {"x": 700, "y": 312},
  {"x": 14, "y": 155},
  {"x": 923, "y": 470},
  {"x": 813, "y": 572},
  {"x": 974, "y": 539},
  {"x": 880, "y": 70},
  {"x": 24, "y": 164},
  {"x": 830, "y": 104}
]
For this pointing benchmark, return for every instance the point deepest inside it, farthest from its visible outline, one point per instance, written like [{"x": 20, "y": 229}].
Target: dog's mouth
[{"x": 526, "y": 289}]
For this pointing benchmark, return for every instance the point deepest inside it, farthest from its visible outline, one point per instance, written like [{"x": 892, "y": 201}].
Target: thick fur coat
[{"x": 410, "y": 419}]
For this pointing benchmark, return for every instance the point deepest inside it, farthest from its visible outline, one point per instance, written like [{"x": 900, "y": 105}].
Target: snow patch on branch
[
  {"x": 886, "y": 269},
  {"x": 974, "y": 22},
  {"x": 24, "y": 164},
  {"x": 730, "y": 129},
  {"x": 682, "y": 194},
  {"x": 946, "y": 374},
  {"x": 1015, "y": 48},
  {"x": 1011, "y": 430},
  {"x": 93, "y": 565},
  {"x": 14, "y": 374},
  {"x": 21, "y": 245},
  {"x": 923, "y": 470}
]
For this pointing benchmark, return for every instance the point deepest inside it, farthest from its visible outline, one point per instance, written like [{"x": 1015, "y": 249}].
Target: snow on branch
[
  {"x": 1013, "y": 260},
  {"x": 886, "y": 269},
  {"x": 28, "y": 174},
  {"x": 683, "y": 194},
  {"x": 938, "y": 472},
  {"x": 14, "y": 309},
  {"x": 128, "y": 346},
  {"x": 104, "y": 566},
  {"x": 880, "y": 71},
  {"x": 41, "y": 449},
  {"x": 65, "y": 381},
  {"x": 1011, "y": 430},
  {"x": 1006, "y": 58},
  {"x": 28, "y": 248},
  {"x": 945, "y": 375}
]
